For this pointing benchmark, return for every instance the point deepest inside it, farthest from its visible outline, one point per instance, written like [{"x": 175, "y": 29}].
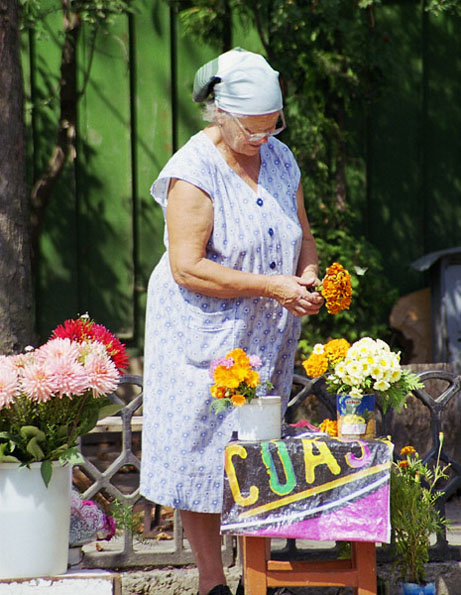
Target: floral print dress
[{"x": 258, "y": 232}]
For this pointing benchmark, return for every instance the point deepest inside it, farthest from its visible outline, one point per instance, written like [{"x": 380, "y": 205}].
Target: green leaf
[
  {"x": 46, "y": 469},
  {"x": 218, "y": 405},
  {"x": 34, "y": 449},
  {"x": 109, "y": 409},
  {"x": 32, "y": 431},
  {"x": 71, "y": 455}
]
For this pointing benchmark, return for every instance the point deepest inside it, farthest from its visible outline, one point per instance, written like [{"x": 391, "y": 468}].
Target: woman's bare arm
[{"x": 190, "y": 222}]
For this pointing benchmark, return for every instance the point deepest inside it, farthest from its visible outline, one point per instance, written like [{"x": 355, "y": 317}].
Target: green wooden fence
[{"x": 103, "y": 233}]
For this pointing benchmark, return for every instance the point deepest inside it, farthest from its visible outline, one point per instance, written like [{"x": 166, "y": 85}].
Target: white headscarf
[{"x": 242, "y": 83}]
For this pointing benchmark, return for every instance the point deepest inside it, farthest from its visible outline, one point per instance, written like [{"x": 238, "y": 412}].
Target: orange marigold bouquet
[
  {"x": 236, "y": 379},
  {"x": 336, "y": 288}
]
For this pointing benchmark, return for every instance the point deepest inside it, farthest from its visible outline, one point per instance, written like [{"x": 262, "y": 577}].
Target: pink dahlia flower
[
  {"x": 59, "y": 348},
  {"x": 68, "y": 376},
  {"x": 36, "y": 382},
  {"x": 102, "y": 373},
  {"x": 8, "y": 382}
]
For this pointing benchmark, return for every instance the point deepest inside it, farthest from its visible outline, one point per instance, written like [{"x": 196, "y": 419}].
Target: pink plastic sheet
[{"x": 308, "y": 486}]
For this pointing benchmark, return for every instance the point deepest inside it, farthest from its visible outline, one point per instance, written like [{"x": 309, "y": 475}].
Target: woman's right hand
[{"x": 291, "y": 293}]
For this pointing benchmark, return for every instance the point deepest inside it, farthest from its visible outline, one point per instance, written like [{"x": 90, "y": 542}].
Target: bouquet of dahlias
[
  {"x": 365, "y": 367},
  {"x": 336, "y": 288},
  {"x": 236, "y": 379},
  {"x": 52, "y": 395}
]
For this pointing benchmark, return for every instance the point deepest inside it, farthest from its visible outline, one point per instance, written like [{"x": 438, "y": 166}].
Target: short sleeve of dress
[{"x": 193, "y": 163}]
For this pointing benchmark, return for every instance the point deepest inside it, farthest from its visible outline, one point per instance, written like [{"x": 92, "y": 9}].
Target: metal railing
[{"x": 142, "y": 549}]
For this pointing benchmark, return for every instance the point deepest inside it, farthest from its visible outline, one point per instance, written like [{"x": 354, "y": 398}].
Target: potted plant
[
  {"x": 414, "y": 516},
  {"x": 236, "y": 382},
  {"x": 356, "y": 373},
  {"x": 49, "y": 397}
]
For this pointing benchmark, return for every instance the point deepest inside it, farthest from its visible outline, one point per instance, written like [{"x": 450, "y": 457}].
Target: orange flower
[
  {"x": 226, "y": 377},
  {"x": 407, "y": 450},
  {"x": 252, "y": 378},
  {"x": 330, "y": 427},
  {"x": 218, "y": 392},
  {"x": 240, "y": 358},
  {"x": 316, "y": 365},
  {"x": 238, "y": 400},
  {"x": 336, "y": 350},
  {"x": 336, "y": 288},
  {"x": 403, "y": 464}
]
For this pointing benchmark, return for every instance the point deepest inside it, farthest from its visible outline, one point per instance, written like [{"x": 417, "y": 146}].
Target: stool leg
[
  {"x": 254, "y": 553},
  {"x": 363, "y": 556}
]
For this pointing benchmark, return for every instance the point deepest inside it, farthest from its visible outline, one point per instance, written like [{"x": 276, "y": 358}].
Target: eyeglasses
[{"x": 254, "y": 137}]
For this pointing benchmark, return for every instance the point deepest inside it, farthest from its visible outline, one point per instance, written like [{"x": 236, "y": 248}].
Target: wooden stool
[{"x": 260, "y": 572}]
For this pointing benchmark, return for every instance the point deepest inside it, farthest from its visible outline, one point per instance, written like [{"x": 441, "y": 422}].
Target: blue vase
[
  {"x": 415, "y": 589},
  {"x": 356, "y": 416}
]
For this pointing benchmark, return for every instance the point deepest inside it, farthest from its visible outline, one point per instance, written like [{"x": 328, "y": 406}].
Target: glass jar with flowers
[
  {"x": 237, "y": 382},
  {"x": 414, "y": 516},
  {"x": 356, "y": 373},
  {"x": 49, "y": 397}
]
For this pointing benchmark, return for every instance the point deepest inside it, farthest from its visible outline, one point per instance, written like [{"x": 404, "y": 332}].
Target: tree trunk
[{"x": 17, "y": 318}]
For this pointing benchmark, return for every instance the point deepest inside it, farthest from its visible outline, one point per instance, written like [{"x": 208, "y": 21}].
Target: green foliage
[
  {"x": 372, "y": 296},
  {"x": 122, "y": 515},
  {"x": 414, "y": 516},
  {"x": 32, "y": 432},
  {"x": 95, "y": 13}
]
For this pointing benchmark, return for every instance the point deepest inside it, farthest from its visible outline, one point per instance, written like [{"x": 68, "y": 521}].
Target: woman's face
[{"x": 237, "y": 131}]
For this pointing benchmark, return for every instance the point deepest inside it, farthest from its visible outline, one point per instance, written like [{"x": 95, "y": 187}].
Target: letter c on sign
[{"x": 231, "y": 450}]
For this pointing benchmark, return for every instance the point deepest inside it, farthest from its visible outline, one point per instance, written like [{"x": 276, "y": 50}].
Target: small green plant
[
  {"x": 122, "y": 515},
  {"x": 414, "y": 515}
]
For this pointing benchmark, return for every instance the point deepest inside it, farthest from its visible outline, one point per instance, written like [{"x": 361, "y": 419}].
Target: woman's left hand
[{"x": 312, "y": 301}]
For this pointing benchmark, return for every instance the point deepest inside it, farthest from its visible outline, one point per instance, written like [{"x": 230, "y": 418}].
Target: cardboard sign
[{"x": 309, "y": 486}]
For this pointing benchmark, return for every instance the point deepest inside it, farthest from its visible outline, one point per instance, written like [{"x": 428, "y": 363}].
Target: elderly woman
[{"x": 239, "y": 265}]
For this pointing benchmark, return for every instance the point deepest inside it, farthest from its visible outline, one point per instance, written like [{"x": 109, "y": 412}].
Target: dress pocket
[{"x": 209, "y": 335}]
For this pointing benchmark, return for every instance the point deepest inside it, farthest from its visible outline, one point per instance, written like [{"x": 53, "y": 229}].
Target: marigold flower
[
  {"x": 407, "y": 450},
  {"x": 252, "y": 378},
  {"x": 316, "y": 365},
  {"x": 218, "y": 392},
  {"x": 336, "y": 350},
  {"x": 226, "y": 377},
  {"x": 330, "y": 427},
  {"x": 239, "y": 356},
  {"x": 238, "y": 400},
  {"x": 336, "y": 288},
  {"x": 403, "y": 464}
]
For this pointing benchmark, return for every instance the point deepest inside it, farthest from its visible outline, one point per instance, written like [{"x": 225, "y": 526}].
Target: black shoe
[
  {"x": 241, "y": 591},
  {"x": 219, "y": 590}
]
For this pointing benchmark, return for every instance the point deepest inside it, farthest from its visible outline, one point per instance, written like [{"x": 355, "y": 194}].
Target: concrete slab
[{"x": 92, "y": 582}]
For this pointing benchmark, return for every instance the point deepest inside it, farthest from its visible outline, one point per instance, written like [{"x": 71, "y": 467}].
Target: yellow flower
[
  {"x": 218, "y": 392},
  {"x": 403, "y": 464},
  {"x": 226, "y": 377},
  {"x": 336, "y": 350},
  {"x": 239, "y": 356},
  {"x": 238, "y": 400},
  {"x": 316, "y": 365},
  {"x": 252, "y": 378}
]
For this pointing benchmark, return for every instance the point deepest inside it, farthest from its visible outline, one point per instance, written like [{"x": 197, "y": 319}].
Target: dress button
[
  {"x": 260, "y": 202},
  {"x": 272, "y": 265},
  {"x": 270, "y": 231}
]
